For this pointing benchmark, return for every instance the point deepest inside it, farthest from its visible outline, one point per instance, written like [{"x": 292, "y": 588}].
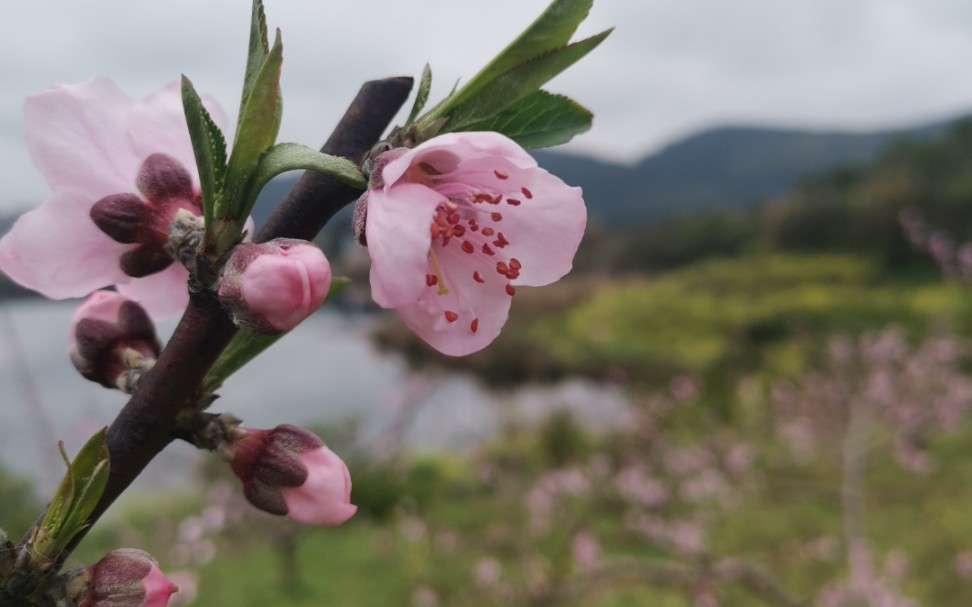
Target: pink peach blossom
[
  {"x": 454, "y": 225},
  {"x": 94, "y": 143},
  {"x": 271, "y": 287},
  {"x": 289, "y": 471},
  {"x": 127, "y": 578},
  {"x": 112, "y": 337}
]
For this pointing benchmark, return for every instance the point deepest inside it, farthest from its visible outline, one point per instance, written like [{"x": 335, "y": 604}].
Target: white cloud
[{"x": 671, "y": 67}]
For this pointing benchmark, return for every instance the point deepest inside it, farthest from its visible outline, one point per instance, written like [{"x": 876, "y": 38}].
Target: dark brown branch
[
  {"x": 145, "y": 425},
  {"x": 317, "y": 197}
]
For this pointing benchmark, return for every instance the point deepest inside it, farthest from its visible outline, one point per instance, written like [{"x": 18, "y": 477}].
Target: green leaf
[
  {"x": 538, "y": 120},
  {"x": 246, "y": 346},
  {"x": 60, "y": 506},
  {"x": 91, "y": 455},
  {"x": 421, "y": 96},
  {"x": 259, "y": 48},
  {"x": 255, "y": 134},
  {"x": 551, "y": 31},
  {"x": 77, "y": 496},
  {"x": 208, "y": 146},
  {"x": 520, "y": 82},
  {"x": 285, "y": 157}
]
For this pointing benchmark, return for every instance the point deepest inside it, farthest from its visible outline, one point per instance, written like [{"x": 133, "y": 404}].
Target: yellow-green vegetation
[{"x": 737, "y": 315}]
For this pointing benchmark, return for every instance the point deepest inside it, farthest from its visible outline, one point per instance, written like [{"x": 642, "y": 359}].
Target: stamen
[
  {"x": 497, "y": 217},
  {"x": 487, "y": 231},
  {"x": 501, "y": 174},
  {"x": 502, "y": 268},
  {"x": 474, "y": 325},
  {"x": 515, "y": 263},
  {"x": 468, "y": 247},
  {"x": 526, "y": 192},
  {"x": 513, "y": 202},
  {"x": 487, "y": 249},
  {"x": 510, "y": 290},
  {"x": 431, "y": 280},
  {"x": 443, "y": 290},
  {"x": 477, "y": 277},
  {"x": 451, "y": 316}
]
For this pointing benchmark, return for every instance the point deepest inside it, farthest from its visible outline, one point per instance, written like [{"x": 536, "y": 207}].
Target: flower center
[
  {"x": 166, "y": 188},
  {"x": 470, "y": 222}
]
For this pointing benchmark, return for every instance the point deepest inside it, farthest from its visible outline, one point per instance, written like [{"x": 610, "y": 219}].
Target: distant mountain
[{"x": 731, "y": 167}]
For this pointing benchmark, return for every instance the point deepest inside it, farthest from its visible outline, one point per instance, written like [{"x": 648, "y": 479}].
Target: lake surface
[{"x": 327, "y": 370}]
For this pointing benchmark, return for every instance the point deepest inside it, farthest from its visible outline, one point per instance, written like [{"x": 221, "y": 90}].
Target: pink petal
[
  {"x": 162, "y": 294},
  {"x": 486, "y": 303},
  {"x": 78, "y": 138},
  {"x": 58, "y": 251},
  {"x": 158, "y": 124},
  {"x": 399, "y": 240},
  {"x": 324, "y": 497}
]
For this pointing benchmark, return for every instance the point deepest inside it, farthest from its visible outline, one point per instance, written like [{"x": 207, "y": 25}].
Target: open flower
[
  {"x": 289, "y": 471},
  {"x": 126, "y": 164},
  {"x": 454, "y": 225}
]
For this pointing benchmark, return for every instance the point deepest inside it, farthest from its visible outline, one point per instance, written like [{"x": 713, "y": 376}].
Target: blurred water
[{"x": 327, "y": 370}]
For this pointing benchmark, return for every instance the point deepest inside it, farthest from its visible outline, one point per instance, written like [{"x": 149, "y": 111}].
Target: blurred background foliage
[{"x": 796, "y": 367}]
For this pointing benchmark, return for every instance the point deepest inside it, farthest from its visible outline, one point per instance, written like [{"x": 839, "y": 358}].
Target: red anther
[
  {"x": 451, "y": 205},
  {"x": 488, "y": 231},
  {"x": 431, "y": 280},
  {"x": 515, "y": 263},
  {"x": 452, "y": 219},
  {"x": 497, "y": 217},
  {"x": 473, "y": 225},
  {"x": 513, "y": 202},
  {"x": 513, "y": 274},
  {"x": 482, "y": 197},
  {"x": 502, "y": 268},
  {"x": 527, "y": 192},
  {"x": 467, "y": 247},
  {"x": 451, "y": 316},
  {"x": 488, "y": 249},
  {"x": 458, "y": 230},
  {"x": 495, "y": 199},
  {"x": 478, "y": 278},
  {"x": 510, "y": 290},
  {"x": 501, "y": 174},
  {"x": 474, "y": 325}
]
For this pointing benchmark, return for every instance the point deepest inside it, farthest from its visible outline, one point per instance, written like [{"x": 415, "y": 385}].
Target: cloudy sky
[{"x": 672, "y": 67}]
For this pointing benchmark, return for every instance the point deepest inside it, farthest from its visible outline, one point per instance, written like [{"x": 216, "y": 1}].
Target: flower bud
[
  {"x": 112, "y": 340},
  {"x": 271, "y": 287},
  {"x": 288, "y": 471},
  {"x": 126, "y": 578}
]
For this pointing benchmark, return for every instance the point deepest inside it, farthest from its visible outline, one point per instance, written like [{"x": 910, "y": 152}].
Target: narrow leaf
[
  {"x": 550, "y": 31},
  {"x": 257, "y": 53},
  {"x": 285, "y": 157},
  {"x": 208, "y": 146},
  {"x": 521, "y": 81},
  {"x": 89, "y": 458},
  {"x": 245, "y": 347},
  {"x": 421, "y": 96},
  {"x": 540, "y": 119},
  {"x": 255, "y": 134}
]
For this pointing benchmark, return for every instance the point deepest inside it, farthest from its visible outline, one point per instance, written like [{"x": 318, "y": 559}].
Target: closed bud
[
  {"x": 271, "y": 287},
  {"x": 124, "y": 578},
  {"x": 289, "y": 471},
  {"x": 112, "y": 340}
]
